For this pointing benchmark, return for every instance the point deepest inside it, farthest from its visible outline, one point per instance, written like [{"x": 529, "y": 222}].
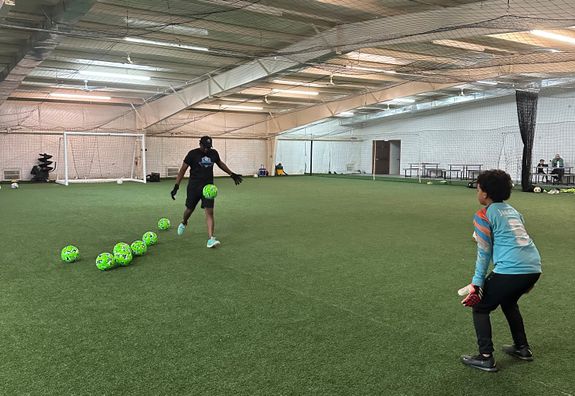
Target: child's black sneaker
[
  {"x": 480, "y": 362},
  {"x": 523, "y": 353}
]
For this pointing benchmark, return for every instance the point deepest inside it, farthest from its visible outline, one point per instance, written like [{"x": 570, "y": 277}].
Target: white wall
[
  {"x": 328, "y": 156},
  {"x": 484, "y": 132},
  {"x": 242, "y": 156},
  {"x": 20, "y": 151}
]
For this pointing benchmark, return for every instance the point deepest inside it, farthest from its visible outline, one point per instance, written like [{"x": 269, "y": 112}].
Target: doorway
[{"x": 386, "y": 157}]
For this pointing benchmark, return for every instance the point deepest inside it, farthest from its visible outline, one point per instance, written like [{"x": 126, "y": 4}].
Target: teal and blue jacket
[{"x": 502, "y": 238}]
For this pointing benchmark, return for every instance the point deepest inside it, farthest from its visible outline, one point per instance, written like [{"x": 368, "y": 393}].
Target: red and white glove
[{"x": 474, "y": 295}]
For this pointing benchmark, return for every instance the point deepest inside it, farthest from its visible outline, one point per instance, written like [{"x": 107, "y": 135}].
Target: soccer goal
[{"x": 91, "y": 157}]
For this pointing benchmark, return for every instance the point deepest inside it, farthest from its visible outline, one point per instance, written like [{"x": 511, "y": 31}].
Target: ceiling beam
[
  {"x": 536, "y": 64},
  {"x": 40, "y": 44},
  {"x": 275, "y": 125},
  {"x": 429, "y": 25},
  {"x": 468, "y": 20},
  {"x": 167, "y": 106}
]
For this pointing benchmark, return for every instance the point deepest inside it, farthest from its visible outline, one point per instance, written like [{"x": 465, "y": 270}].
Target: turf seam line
[{"x": 550, "y": 387}]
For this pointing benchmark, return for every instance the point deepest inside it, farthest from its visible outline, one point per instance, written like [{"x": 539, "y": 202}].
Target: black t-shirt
[{"x": 202, "y": 165}]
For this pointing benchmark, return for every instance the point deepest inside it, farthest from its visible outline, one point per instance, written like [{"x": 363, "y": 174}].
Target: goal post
[{"x": 92, "y": 157}]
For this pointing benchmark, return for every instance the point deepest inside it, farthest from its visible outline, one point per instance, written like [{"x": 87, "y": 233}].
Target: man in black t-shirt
[{"x": 201, "y": 163}]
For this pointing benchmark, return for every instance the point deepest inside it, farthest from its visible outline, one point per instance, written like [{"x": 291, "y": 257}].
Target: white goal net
[{"x": 102, "y": 157}]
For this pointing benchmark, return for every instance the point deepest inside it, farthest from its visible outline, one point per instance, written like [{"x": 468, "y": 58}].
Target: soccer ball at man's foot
[{"x": 210, "y": 191}]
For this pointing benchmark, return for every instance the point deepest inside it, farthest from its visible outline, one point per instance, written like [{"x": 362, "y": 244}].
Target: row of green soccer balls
[{"x": 123, "y": 253}]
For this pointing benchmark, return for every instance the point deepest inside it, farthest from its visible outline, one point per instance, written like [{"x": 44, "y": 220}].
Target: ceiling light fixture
[
  {"x": 113, "y": 75},
  {"x": 366, "y": 57},
  {"x": 165, "y": 44},
  {"x": 118, "y": 64},
  {"x": 372, "y": 69},
  {"x": 177, "y": 28},
  {"x": 345, "y": 114},
  {"x": 298, "y": 83},
  {"x": 400, "y": 101},
  {"x": 487, "y": 82},
  {"x": 553, "y": 36},
  {"x": 467, "y": 46},
  {"x": 240, "y": 107},
  {"x": 293, "y": 92},
  {"x": 83, "y": 97}
]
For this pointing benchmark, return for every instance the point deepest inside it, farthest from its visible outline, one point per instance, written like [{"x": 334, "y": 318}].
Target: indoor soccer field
[
  {"x": 337, "y": 139},
  {"x": 322, "y": 285}
]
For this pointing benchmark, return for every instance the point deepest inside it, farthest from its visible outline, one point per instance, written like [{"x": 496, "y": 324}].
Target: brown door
[{"x": 381, "y": 157}]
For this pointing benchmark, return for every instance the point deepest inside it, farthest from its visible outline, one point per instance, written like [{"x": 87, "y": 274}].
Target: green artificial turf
[{"x": 321, "y": 286}]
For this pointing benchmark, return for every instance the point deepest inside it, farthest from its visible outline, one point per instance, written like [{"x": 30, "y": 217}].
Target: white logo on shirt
[{"x": 206, "y": 162}]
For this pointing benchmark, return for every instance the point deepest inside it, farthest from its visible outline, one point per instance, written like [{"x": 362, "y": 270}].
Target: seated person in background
[
  {"x": 263, "y": 171},
  {"x": 280, "y": 170},
  {"x": 542, "y": 168},
  {"x": 558, "y": 167}
]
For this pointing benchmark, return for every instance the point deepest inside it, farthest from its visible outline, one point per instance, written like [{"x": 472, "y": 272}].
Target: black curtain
[{"x": 527, "y": 114}]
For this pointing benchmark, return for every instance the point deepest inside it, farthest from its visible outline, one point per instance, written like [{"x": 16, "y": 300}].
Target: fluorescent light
[
  {"x": 467, "y": 46},
  {"x": 294, "y": 92},
  {"x": 113, "y": 75},
  {"x": 400, "y": 101},
  {"x": 553, "y": 36},
  {"x": 240, "y": 107},
  {"x": 345, "y": 114},
  {"x": 372, "y": 69},
  {"x": 365, "y": 57},
  {"x": 298, "y": 83},
  {"x": 84, "y": 97},
  {"x": 183, "y": 29},
  {"x": 487, "y": 82},
  {"x": 119, "y": 65},
  {"x": 165, "y": 44}
]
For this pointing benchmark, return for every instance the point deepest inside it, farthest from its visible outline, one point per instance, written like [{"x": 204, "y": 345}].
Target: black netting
[{"x": 527, "y": 114}]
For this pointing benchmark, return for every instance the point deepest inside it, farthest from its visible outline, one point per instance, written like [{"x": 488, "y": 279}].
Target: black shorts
[
  {"x": 501, "y": 289},
  {"x": 195, "y": 195}
]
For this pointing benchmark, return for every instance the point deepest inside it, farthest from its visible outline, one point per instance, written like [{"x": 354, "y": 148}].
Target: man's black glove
[
  {"x": 175, "y": 191},
  {"x": 237, "y": 178}
]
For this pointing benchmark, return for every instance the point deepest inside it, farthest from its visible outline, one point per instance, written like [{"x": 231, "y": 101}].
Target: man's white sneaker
[{"x": 213, "y": 242}]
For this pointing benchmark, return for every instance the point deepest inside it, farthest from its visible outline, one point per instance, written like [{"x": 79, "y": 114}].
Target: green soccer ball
[
  {"x": 150, "y": 238},
  {"x": 139, "y": 248},
  {"x": 123, "y": 258},
  {"x": 210, "y": 191},
  {"x": 70, "y": 254},
  {"x": 105, "y": 261},
  {"x": 163, "y": 223},
  {"x": 122, "y": 247}
]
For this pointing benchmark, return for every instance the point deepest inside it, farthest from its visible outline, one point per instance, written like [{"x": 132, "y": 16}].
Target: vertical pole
[
  {"x": 144, "y": 156},
  {"x": 420, "y": 171},
  {"x": 311, "y": 158},
  {"x": 135, "y": 148},
  {"x": 65, "y": 159},
  {"x": 374, "y": 154}
]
